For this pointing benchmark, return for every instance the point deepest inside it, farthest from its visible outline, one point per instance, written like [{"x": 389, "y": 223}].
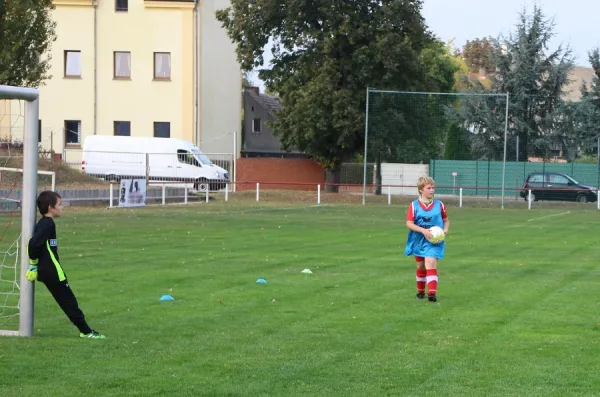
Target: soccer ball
[{"x": 438, "y": 234}]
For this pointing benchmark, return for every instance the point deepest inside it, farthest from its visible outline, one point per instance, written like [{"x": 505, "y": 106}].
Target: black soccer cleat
[
  {"x": 432, "y": 298},
  {"x": 420, "y": 295}
]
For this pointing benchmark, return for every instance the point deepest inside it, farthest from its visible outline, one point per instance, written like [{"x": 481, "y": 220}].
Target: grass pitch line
[{"x": 548, "y": 216}]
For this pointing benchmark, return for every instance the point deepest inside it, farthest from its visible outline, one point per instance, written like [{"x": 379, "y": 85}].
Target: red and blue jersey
[{"x": 425, "y": 216}]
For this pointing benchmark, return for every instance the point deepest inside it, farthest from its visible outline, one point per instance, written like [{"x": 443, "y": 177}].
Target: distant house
[
  {"x": 577, "y": 77},
  {"x": 259, "y": 140}
]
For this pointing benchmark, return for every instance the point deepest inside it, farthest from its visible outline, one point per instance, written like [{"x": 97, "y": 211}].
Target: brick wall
[{"x": 287, "y": 173}]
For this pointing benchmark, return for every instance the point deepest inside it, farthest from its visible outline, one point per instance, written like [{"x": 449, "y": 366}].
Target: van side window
[{"x": 186, "y": 157}]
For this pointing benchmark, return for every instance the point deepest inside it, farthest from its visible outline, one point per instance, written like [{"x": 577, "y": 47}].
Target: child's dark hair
[{"x": 47, "y": 199}]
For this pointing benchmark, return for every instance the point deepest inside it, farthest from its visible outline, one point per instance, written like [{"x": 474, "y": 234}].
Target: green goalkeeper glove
[{"x": 32, "y": 272}]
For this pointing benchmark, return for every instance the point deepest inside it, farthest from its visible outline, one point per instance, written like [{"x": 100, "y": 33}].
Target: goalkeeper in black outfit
[{"x": 44, "y": 265}]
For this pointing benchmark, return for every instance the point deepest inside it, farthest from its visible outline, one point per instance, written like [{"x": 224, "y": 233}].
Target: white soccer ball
[{"x": 437, "y": 234}]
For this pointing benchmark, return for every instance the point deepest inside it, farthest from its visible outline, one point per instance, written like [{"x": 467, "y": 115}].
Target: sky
[{"x": 576, "y": 22}]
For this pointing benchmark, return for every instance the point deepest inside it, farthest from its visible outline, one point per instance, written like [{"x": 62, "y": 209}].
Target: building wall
[
  {"x": 276, "y": 173},
  {"x": 68, "y": 98},
  {"x": 220, "y": 84},
  {"x": 147, "y": 27}
]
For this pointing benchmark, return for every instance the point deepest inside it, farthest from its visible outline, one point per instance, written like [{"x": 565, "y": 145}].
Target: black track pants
[{"x": 62, "y": 293}]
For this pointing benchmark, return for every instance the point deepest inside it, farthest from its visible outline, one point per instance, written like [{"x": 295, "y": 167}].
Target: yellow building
[{"x": 141, "y": 68}]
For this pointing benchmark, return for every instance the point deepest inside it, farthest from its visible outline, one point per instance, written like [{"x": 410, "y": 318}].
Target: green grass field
[{"x": 518, "y": 310}]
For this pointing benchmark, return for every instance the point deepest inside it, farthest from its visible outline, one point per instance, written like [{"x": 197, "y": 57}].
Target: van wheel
[
  {"x": 582, "y": 198},
  {"x": 201, "y": 185}
]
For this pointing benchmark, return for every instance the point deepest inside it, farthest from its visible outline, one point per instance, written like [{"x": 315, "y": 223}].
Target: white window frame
[
  {"x": 72, "y": 63},
  {"x": 162, "y": 66},
  {"x": 122, "y": 65}
]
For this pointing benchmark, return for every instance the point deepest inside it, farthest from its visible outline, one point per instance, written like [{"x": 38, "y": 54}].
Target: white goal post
[{"x": 29, "y": 193}]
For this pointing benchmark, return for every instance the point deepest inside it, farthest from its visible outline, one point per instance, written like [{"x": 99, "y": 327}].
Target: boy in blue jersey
[{"x": 424, "y": 213}]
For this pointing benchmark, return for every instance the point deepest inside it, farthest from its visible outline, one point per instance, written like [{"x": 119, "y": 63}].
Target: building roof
[{"x": 269, "y": 103}]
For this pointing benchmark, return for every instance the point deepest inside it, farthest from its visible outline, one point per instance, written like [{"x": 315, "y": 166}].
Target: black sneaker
[
  {"x": 420, "y": 295},
  {"x": 432, "y": 298}
]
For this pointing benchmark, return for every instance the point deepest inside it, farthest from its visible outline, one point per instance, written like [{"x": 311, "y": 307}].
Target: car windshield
[{"x": 201, "y": 157}]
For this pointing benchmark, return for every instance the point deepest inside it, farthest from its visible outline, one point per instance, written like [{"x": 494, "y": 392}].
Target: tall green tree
[
  {"x": 535, "y": 77},
  {"x": 592, "y": 93},
  {"x": 27, "y": 32},
  {"x": 576, "y": 127},
  {"x": 458, "y": 146},
  {"x": 585, "y": 114},
  {"x": 325, "y": 54}
]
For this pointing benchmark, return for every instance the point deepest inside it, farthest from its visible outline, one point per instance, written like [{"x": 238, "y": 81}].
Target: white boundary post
[
  {"x": 110, "y": 195},
  {"x": 460, "y": 197},
  {"x": 389, "y": 195},
  {"x": 185, "y": 194},
  {"x": 319, "y": 194},
  {"x": 226, "y": 191},
  {"x": 257, "y": 191},
  {"x": 235, "y": 155},
  {"x": 364, "y": 192},
  {"x": 207, "y": 190},
  {"x": 164, "y": 193},
  {"x": 29, "y": 196},
  {"x": 529, "y": 199}
]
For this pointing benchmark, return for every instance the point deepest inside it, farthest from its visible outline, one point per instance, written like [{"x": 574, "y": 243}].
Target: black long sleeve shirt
[{"x": 43, "y": 246}]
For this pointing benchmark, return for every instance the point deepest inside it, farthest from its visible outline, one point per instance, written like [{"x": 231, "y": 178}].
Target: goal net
[
  {"x": 19, "y": 183},
  {"x": 443, "y": 135}
]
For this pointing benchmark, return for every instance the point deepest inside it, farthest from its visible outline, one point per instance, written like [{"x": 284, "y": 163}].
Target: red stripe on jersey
[{"x": 410, "y": 214}]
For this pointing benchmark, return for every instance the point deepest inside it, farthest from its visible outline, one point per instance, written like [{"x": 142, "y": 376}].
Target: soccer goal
[
  {"x": 443, "y": 135},
  {"x": 18, "y": 189}
]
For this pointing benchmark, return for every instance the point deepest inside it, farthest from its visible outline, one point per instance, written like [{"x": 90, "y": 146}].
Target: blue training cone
[
  {"x": 166, "y": 298},
  {"x": 261, "y": 281}
]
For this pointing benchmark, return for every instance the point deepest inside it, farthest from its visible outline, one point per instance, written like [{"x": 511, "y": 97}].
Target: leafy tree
[
  {"x": 26, "y": 35},
  {"x": 478, "y": 54},
  {"x": 409, "y": 128},
  {"x": 325, "y": 55}
]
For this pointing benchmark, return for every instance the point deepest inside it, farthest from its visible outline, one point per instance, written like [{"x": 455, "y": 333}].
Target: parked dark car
[{"x": 558, "y": 187}]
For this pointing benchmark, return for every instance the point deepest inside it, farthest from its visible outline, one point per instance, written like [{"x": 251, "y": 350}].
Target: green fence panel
[{"x": 484, "y": 178}]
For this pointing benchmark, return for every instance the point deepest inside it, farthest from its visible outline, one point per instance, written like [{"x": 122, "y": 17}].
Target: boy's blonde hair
[{"x": 423, "y": 181}]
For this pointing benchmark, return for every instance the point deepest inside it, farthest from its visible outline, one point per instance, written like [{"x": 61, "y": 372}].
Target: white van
[{"x": 169, "y": 159}]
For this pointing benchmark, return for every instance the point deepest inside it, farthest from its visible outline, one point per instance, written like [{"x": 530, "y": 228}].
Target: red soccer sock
[
  {"x": 421, "y": 279},
  {"x": 432, "y": 281}
]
